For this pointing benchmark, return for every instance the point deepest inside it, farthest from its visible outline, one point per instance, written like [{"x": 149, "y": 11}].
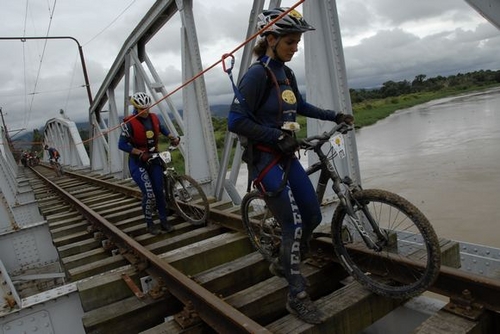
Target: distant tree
[
  {"x": 37, "y": 141},
  {"x": 418, "y": 83},
  {"x": 497, "y": 76},
  {"x": 391, "y": 88}
]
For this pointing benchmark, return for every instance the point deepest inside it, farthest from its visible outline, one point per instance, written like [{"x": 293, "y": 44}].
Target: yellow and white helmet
[
  {"x": 292, "y": 22},
  {"x": 141, "y": 100}
]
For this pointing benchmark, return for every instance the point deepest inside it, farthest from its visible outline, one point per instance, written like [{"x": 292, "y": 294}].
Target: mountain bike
[
  {"x": 57, "y": 167},
  {"x": 380, "y": 238},
  {"x": 181, "y": 191}
]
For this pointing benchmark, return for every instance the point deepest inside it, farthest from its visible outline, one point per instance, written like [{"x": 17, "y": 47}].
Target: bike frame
[
  {"x": 329, "y": 172},
  {"x": 363, "y": 247}
]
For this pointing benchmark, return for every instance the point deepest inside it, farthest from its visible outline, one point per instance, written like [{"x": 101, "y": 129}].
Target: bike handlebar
[
  {"x": 164, "y": 155},
  {"x": 313, "y": 141}
]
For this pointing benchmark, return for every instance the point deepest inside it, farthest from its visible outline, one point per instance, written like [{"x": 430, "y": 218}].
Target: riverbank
[{"x": 369, "y": 112}]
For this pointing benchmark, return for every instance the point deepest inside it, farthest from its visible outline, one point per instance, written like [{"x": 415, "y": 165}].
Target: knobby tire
[
  {"x": 188, "y": 199},
  {"x": 412, "y": 241},
  {"x": 261, "y": 226}
]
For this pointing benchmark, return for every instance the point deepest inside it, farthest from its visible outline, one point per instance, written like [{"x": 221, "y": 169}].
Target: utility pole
[{"x": 80, "y": 51}]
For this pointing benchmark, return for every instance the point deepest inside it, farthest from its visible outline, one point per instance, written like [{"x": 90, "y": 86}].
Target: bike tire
[
  {"x": 56, "y": 169},
  {"x": 61, "y": 170},
  {"x": 262, "y": 228},
  {"x": 412, "y": 242},
  {"x": 188, "y": 199}
]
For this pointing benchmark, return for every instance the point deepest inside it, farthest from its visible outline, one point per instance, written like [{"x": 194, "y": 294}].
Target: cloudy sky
[{"x": 383, "y": 40}]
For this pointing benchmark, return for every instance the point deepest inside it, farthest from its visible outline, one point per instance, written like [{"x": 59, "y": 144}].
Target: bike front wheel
[
  {"x": 406, "y": 259},
  {"x": 262, "y": 228},
  {"x": 188, "y": 199},
  {"x": 60, "y": 169}
]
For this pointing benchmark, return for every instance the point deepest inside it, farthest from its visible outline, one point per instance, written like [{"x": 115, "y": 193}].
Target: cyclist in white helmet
[
  {"x": 263, "y": 113},
  {"x": 139, "y": 138}
]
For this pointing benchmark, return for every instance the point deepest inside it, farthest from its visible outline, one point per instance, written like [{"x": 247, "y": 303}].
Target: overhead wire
[
  {"x": 51, "y": 15},
  {"x": 71, "y": 82},
  {"x": 110, "y": 24},
  {"x": 29, "y": 105},
  {"x": 223, "y": 58},
  {"x": 24, "y": 60}
]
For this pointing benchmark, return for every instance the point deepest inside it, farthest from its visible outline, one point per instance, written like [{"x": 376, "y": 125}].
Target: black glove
[
  {"x": 144, "y": 156},
  {"x": 287, "y": 144},
  {"x": 346, "y": 118},
  {"x": 175, "y": 141}
]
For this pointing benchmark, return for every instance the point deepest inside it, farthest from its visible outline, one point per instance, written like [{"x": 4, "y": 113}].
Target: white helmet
[
  {"x": 292, "y": 22},
  {"x": 141, "y": 100}
]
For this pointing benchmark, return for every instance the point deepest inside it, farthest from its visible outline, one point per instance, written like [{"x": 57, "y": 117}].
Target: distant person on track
[
  {"x": 263, "y": 114},
  {"x": 24, "y": 158},
  {"x": 53, "y": 153},
  {"x": 139, "y": 138}
]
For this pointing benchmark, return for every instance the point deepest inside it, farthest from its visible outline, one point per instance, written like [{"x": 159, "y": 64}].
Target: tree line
[
  {"x": 421, "y": 84},
  {"x": 369, "y": 105}
]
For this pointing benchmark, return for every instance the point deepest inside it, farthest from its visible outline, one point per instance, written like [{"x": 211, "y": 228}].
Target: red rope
[{"x": 224, "y": 56}]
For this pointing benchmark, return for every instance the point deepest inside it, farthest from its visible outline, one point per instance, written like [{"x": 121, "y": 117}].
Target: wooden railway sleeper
[
  {"x": 464, "y": 305},
  {"x": 99, "y": 236},
  {"x": 108, "y": 245},
  {"x": 318, "y": 260},
  {"x": 91, "y": 229},
  {"x": 140, "y": 264}
]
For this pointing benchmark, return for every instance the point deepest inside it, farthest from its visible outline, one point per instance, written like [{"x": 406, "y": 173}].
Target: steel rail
[
  {"x": 218, "y": 314},
  {"x": 451, "y": 282}
]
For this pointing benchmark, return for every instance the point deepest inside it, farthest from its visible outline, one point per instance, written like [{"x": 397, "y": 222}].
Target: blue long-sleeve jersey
[
  {"x": 260, "y": 121},
  {"x": 125, "y": 141}
]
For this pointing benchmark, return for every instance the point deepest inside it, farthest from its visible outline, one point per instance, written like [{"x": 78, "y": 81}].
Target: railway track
[{"x": 203, "y": 279}]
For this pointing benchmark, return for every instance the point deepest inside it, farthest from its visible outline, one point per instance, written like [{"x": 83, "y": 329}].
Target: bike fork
[{"x": 356, "y": 222}]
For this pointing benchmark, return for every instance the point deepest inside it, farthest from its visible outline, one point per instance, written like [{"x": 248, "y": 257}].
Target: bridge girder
[
  {"x": 63, "y": 135},
  {"x": 489, "y": 9},
  {"x": 132, "y": 71}
]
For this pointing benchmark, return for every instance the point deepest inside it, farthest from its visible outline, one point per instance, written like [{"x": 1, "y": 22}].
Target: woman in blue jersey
[
  {"x": 263, "y": 115},
  {"x": 139, "y": 138}
]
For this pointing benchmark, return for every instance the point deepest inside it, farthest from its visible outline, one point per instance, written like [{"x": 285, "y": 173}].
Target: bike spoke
[{"x": 409, "y": 252}]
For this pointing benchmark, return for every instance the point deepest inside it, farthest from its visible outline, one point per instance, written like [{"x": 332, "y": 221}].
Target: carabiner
[{"x": 224, "y": 56}]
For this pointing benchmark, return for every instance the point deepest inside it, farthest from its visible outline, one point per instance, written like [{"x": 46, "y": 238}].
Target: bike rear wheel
[
  {"x": 57, "y": 169},
  {"x": 188, "y": 199},
  {"x": 60, "y": 169},
  {"x": 262, "y": 228},
  {"x": 409, "y": 259}
]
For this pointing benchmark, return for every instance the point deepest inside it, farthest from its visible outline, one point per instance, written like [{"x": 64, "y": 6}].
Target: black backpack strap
[{"x": 292, "y": 80}]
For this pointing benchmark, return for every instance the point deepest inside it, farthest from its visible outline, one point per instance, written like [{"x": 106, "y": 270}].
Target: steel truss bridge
[{"x": 24, "y": 238}]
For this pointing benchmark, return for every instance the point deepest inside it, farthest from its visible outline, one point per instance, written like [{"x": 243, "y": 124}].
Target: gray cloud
[
  {"x": 384, "y": 40},
  {"x": 398, "y": 55}
]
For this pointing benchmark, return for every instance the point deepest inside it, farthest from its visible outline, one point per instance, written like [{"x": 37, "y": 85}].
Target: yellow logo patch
[{"x": 288, "y": 96}]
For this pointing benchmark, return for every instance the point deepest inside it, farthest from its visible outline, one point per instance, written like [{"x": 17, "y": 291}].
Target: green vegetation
[
  {"x": 372, "y": 105},
  {"x": 369, "y": 105},
  {"x": 370, "y": 111}
]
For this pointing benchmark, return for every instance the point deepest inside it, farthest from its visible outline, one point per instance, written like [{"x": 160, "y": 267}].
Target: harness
[
  {"x": 270, "y": 81},
  {"x": 139, "y": 136},
  {"x": 278, "y": 157}
]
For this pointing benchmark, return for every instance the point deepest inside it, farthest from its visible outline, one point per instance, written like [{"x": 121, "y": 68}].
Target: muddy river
[{"x": 444, "y": 156}]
